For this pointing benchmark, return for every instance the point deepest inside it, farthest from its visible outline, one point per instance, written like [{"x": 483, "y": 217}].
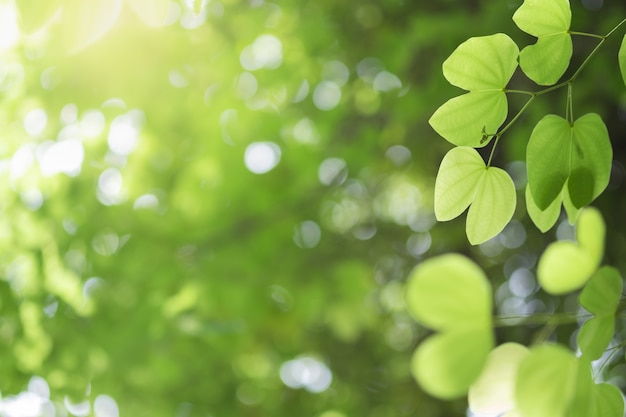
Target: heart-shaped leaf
[
  {"x": 493, "y": 392},
  {"x": 546, "y": 381},
  {"x": 566, "y": 266},
  {"x": 450, "y": 292},
  {"x": 546, "y": 61},
  {"x": 482, "y": 63},
  {"x": 579, "y": 155},
  {"x": 594, "y": 400},
  {"x": 445, "y": 365},
  {"x": 464, "y": 179}
]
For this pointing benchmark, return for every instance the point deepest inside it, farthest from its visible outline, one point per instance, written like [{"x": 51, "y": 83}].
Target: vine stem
[
  {"x": 510, "y": 123},
  {"x": 539, "y": 319}
]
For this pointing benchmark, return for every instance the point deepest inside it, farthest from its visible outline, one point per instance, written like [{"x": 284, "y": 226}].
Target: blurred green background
[{"x": 209, "y": 208}]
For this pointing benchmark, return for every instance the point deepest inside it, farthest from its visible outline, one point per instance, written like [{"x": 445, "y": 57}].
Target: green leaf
[
  {"x": 546, "y": 61},
  {"x": 566, "y": 266},
  {"x": 546, "y": 382},
  {"x": 445, "y": 365},
  {"x": 493, "y": 206},
  {"x": 463, "y": 120},
  {"x": 607, "y": 401},
  {"x": 463, "y": 179},
  {"x": 591, "y": 157},
  {"x": 547, "y": 159},
  {"x": 543, "y": 219},
  {"x": 621, "y": 56},
  {"x": 582, "y": 401},
  {"x": 493, "y": 392},
  {"x": 578, "y": 155},
  {"x": 602, "y": 293},
  {"x": 455, "y": 186},
  {"x": 595, "y": 335},
  {"x": 450, "y": 292},
  {"x": 572, "y": 211},
  {"x": 482, "y": 63},
  {"x": 590, "y": 233},
  {"x": 541, "y": 18}
]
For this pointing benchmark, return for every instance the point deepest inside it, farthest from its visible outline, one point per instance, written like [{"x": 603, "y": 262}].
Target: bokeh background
[{"x": 210, "y": 208}]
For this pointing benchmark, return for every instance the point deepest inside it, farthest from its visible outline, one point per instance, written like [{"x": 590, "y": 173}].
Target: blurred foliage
[{"x": 210, "y": 207}]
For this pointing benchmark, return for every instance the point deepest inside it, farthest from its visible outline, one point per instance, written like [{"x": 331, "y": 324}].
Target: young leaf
[
  {"x": 543, "y": 219},
  {"x": 542, "y": 18},
  {"x": 493, "y": 392},
  {"x": 483, "y": 66},
  {"x": 493, "y": 206},
  {"x": 602, "y": 293},
  {"x": 566, "y": 266},
  {"x": 463, "y": 120},
  {"x": 455, "y": 186},
  {"x": 546, "y": 381},
  {"x": 482, "y": 63},
  {"x": 450, "y": 292},
  {"x": 463, "y": 179},
  {"x": 547, "y": 159},
  {"x": 595, "y": 335},
  {"x": 621, "y": 56},
  {"x": 546, "y": 61},
  {"x": 445, "y": 365},
  {"x": 35, "y": 14}
]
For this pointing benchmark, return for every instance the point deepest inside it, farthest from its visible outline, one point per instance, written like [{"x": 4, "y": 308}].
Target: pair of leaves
[
  {"x": 483, "y": 66},
  {"x": 545, "y": 61},
  {"x": 447, "y": 363},
  {"x": 569, "y": 163},
  {"x": 600, "y": 297},
  {"x": 465, "y": 181},
  {"x": 567, "y": 266},
  {"x": 547, "y": 380}
]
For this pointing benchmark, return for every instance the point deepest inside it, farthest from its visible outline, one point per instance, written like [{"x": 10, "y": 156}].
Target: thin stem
[
  {"x": 569, "y": 109},
  {"x": 590, "y": 35},
  {"x": 538, "y": 319},
  {"x": 528, "y": 93}
]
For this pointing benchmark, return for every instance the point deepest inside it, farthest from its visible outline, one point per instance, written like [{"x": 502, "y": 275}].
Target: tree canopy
[{"x": 214, "y": 207}]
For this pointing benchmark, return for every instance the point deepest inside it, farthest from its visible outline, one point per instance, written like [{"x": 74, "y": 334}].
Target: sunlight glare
[
  {"x": 105, "y": 406},
  {"x": 306, "y": 372},
  {"x": 265, "y": 52},
  {"x": 124, "y": 132},
  {"x": 9, "y": 31},
  {"x": 326, "y": 95},
  {"x": 61, "y": 157},
  {"x": 332, "y": 171},
  {"x": 35, "y": 122},
  {"x": 110, "y": 187},
  {"x": 262, "y": 157}
]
